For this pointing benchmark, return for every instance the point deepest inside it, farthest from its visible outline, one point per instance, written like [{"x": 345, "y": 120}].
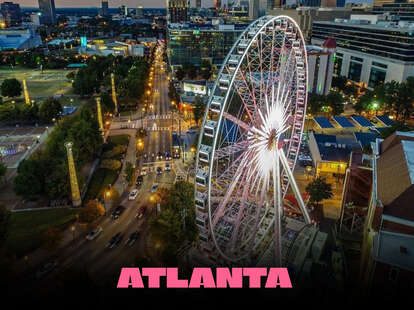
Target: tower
[
  {"x": 76, "y": 198},
  {"x": 177, "y": 11},
  {"x": 48, "y": 11},
  {"x": 254, "y": 6},
  {"x": 26, "y": 93},
  {"x": 105, "y": 8},
  {"x": 114, "y": 93},
  {"x": 99, "y": 112}
]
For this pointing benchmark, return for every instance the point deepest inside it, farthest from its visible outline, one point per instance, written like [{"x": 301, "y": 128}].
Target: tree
[
  {"x": 52, "y": 238},
  {"x": 192, "y": 72},
  {"x": 198, "y": 109},
  {"x": 92, "y": 211},
  {"x": 319, "y": 190},
  {"x": 29, "y": 181},
  {"x": 129, "y": 172},
  {"x": 111, "y": 164},
  {"x": 339, "y": 82},
  {"x": 315, "y": 103},
  {"x": 180, "y": 74},
  {"x": 397, "y": 126},
  {"x": 11, "y": 88},
  {"x": 50, "y": 109},
  {"x": 5, "y": 215},
  {"x": 336, "y": 102},
  {"x": 3, "y": 170}
]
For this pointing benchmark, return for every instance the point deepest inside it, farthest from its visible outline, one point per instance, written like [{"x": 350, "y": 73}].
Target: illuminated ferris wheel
[{"x": 250, "y": 139}]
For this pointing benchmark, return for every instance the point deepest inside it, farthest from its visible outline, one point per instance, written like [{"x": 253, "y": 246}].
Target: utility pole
[{"x": 76, "y": 198}]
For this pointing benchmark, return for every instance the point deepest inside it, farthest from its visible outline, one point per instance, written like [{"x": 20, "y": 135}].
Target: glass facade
[
  {"x": 394, "y": 43},
  {"x": 192, "y": 46},
  {"x": 355, "y": 69},
  {"x": 337, "y": 64},
  {"x": 376, "y": 77}
]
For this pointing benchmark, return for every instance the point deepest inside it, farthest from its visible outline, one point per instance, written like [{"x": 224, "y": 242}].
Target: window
[
  {"x": 378, "y": 64},
  {"x": 376, "y": 77},
  {"x": 357, "y": 59},
  {"x": 337, "y": 65},
  {"x": 355, "y": 70}
]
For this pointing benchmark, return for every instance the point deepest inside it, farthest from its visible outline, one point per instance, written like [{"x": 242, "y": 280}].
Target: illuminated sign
[{"x": 195, "y": 88}]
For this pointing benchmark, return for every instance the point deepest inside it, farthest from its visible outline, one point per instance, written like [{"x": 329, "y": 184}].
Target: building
[
  {"x": 254, "y": 7},
  {"x": 195, "y": 43},
  {"x": 321, "y": 67},
  {"x": 48, "y": 12},
  {"x": 330, "y": 157},
  {"x": 11, "y": 14},
  {"x": 217, "y": 4},
  {"x": 198, "y": 4},
  {"x": 177, "y": 11},
  {"x": 105, "y": 8},
  {"x": 403, "y": 11},
  {"x": 101, "y": 48},
  {"x": 382, "y": 2},
  {"x": 305, "y": 16},
  {"x": 387, "y": 258},
  {"x": 18, "y": 39},
  {"x": 369, "y": 51}
]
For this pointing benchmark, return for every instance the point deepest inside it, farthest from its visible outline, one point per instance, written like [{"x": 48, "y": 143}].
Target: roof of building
[
  {"x": 384, "y": 119},
  {"x": 330, "y": 150},
  {"x": 361, "y": 121},
  {"x": 323, "y": 122},
  {"x": 343, "y": 122},
  {"x": 365, "y": 138},
  {"x": 330, "y": 43}
]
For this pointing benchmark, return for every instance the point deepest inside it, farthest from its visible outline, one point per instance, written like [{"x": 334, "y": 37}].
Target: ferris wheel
[{"x": 250, "y": 139}]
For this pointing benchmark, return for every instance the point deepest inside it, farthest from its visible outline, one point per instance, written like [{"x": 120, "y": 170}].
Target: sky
[{"x": 97, "y": 3}]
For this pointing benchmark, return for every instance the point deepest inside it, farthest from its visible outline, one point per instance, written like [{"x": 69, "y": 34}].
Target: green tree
[
  {"x": 336, "y": 102},
  {"x": 129, "y": 172},
  {"x": 11, "y": 88},
  {"x": 315, "y": 103},
  {"x": 5, "y": 215},
  {"x": 50, "y": 109},
  {"x": 3, "y": 170},
  {"x": 111, "y": 164},
  {"x": 397, "y": 126},
  {"x": 92, "y": 211},
  {"x": 319, "y": 190},
  {"x": 29, "y": 181},
  {"x": 198, "y": 109}
]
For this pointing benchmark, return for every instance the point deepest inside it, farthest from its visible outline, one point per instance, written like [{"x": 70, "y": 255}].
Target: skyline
[{"x": 97, "y": 3}]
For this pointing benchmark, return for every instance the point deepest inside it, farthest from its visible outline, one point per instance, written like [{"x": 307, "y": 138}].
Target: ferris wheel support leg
[
  {"x": 278, "y": 216},
  {"x": 295, "y": 187}
]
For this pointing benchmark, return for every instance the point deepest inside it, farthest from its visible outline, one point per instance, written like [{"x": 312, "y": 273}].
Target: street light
[{"x": 73, "y": 228}]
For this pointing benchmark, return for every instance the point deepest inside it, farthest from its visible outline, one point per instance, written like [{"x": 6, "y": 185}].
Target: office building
[
  {"x": 18, "y": 39},
  {"x": 105, "y": 8},
  {"x": 198, "y": 4},
  {"x": 177, "y": 11},
  {"x": 387, "y": 255},
  {"x": 217, "y": 4},
  {"x": 399, "y": 11},
  {"x": 254, "y": 7},
  {"x": 12, "y": 15},
  {"x": 200, "y": 42},
  {"x": 369, "y": 51},
  {"x": 48, "y": 12}
]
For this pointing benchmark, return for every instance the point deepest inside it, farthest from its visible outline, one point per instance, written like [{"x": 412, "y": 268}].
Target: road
[{"x": 93, "y": 256}]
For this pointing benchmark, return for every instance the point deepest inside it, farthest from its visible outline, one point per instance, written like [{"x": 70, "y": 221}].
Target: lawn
[
  {"x": 27, "y": 228},
  {"x": 103, "y": 177},
  {"x": 48, "y": 83}
]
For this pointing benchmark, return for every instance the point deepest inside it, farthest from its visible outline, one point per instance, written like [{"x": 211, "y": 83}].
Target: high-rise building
[
  {"x": 271, "y": 4},
  {"x": 11, "y": 14},
  {"x": 254, "y": 6},
  {"x": 198, "y": 4},
  {"x": 178, "y": 11},
  {"x": 48, "y": 12},
  {"x": 381, "y": 2},
  {"x": 217, "y": 4},
  {"x": 105, "y": 8}
]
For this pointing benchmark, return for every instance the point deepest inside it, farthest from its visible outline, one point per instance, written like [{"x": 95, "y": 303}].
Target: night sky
[{"x": 97, "y": 3}]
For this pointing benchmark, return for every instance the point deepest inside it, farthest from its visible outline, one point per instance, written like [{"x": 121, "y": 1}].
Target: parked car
[
  {"x": 167, "y": 156},
  {"x": 94, "y": 233},
  {"x": 114, "y": 241},
  {"x": 159, "y": 170},
  {"x": 132, "y": 238},
  {"x": 118, "y": 212},
  {"x": 167, "y": 167},
  {"x": 45, "y": 269},
  {"x": 143, "y": 171},
  {"x": 133, "y": 194},
  {"x": 140, "y": 179},
  {"x": 141, "y": 212},
  {"x": 159, "y": 155},
  {"x": 154, "y": 188}
]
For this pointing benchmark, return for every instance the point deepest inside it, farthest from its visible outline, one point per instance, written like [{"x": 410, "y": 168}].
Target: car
[
  {"x": 159, "y": 170},
  {"x": 118, "y": 212},
  {"x": 133, "y": 194},
  {"x": 141, "y": 212},
  {"x": 45, "y": 269},
  {"x": 167, "y": 167},
  {"x": 140, "y": 179},
  {"x": 143, "y": 171},
  {"x": 159, "y": 155},
  {"x": 167, "y": 156},
  {"x": 154, "y": 188},
  {"x": 132, "y": 238},
  {"x": 115, "y": 240},
  {"x": 94, "y": 233}
]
